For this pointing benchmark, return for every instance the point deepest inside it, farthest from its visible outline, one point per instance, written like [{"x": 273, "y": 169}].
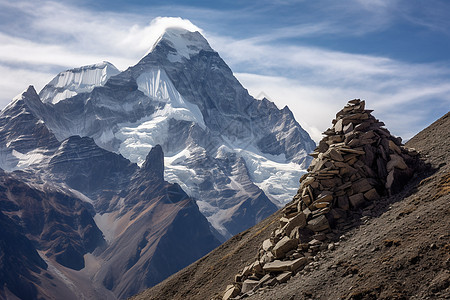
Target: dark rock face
[
  {"x": 18, "y": 261},
  {"x": 22, "y": 130},
  {"x": 166, "y": 232},
  {"x": 59, "y": 223},
  {"x": 85, "y": 167},
  {"x": 154, "y": 163}
]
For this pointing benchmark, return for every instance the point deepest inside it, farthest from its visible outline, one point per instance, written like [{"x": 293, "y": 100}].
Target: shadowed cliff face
[
  {"x": 60, "y": 224},
  {"x": 19, "y": 261}
]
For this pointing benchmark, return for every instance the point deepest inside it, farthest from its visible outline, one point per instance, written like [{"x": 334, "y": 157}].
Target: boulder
[
  {"x": 231, "y": 292},
  {"x": 317, "y": 224},
  {"x": 371, "y": 195},
  {"x": 284, "y": 246},
  {"x": 267, "y": 245},
  {"x": 298, "y": 221},
  {"x": 289, "y": 265},
  {"x": 361, "y": 186},
  {"x": 284, "y": 277},
  {"x": 396, "y": 161},
  {"x": 249, "y": 285},
  {"x": 357, "y": 200}
]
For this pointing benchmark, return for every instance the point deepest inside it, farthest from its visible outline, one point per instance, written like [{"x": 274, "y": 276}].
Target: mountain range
[{"x": 112, "y": 181}]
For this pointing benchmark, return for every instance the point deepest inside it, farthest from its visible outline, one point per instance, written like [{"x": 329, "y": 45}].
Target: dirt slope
[{"x": 400, "y": 251}]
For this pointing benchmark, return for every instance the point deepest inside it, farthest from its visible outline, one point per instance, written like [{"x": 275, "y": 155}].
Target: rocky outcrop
[
  {"x": 57, "y": 222},
  {"x": 356, "y": 163}
]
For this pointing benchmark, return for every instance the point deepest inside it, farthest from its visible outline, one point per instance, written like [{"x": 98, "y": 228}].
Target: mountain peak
[
  {"x": 78, "y": 80},
  {"x": 182, "y": 43},
  {"x": 154, "y": 162}
]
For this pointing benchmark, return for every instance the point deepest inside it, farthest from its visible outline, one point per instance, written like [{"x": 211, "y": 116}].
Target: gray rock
[
  {"x": 357, "y": 200},
  {"x": 231, "y": 292},
  {"x": 298, "y": 221},
  {"x": 248, "y": 285},
  {"x": 284, "y": 277},
  {"x": 290, "y": 265},
  {"x": 319, "y": 223},
  {"x": 283, "y": 246}
]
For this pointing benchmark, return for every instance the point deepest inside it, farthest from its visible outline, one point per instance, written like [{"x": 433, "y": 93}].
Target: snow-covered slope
[{"x": 80, "y": 80}]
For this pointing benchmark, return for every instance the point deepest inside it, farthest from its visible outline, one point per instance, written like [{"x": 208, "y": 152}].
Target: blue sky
[{"x": 310, "y": 55}]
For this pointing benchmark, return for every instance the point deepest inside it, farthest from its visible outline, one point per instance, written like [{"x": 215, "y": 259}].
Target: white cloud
[
  {"x": 15, "y": 80},
  {"x": 314, "y": 82},
  {"x": 59, "y": 36}
]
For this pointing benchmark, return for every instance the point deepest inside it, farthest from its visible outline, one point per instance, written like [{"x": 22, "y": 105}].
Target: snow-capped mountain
[
  {"x": 99, "y": 226},
  {"x": 80, "y": 80},
  {"x": 163, "y": 159},
  {"x": 238, "y": 156}
]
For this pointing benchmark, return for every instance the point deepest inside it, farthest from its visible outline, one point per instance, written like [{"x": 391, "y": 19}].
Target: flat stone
[
  {"x": 231, "y": 292},
  {"x": 335, "y": 139},
  {"x": 267, "y": 257},
  {"x": 306, "y": 181},
  {"x": 319, "y": 223},
  {"x": 310, "y": 193},
  {"x": 271, "y": 282},
  {"x": 354, "y": 142},
  {"x": 298, "y": 221},
  {"x": 249, "y": 285},
  {"x": 324, "y": 197},
  {"x": 289, "y": 265},
  {"x": 338, "y": 213},
  {"x": 321, "y": 204},
  {"x": 314, "y": 242},
  {"x": 265, "y": 278},
  {"x": 237, "y": 278},
  {"x": 267, "y": 245},
  {"x": 381, "y": 167},
  {"x": 306, "y": 199},
  {"x": 283, "y": 246},
  {"x": 353, "y": 151},
  {"x": 256, "y": 267},
  {"x": 335, "y": 155},
  {"x": 348, "y": 128},
  {"x": 396, "y": 161},
  {"x": 342, "y": 202},
  {"x": 390, "y": 179},
  {"x": 338, "y": 126},
  {"x": 283, "y": 221},
  {"x": 394, "y": 147},
  {"x": 357, "y": 200},
  {"x": 371, "y": 195},
  {"x": 284, "y": 277},
  {"x": 361, "y": 186},
  {"x": 247, "y": 271},
  {"x": 362, "y": 126}
]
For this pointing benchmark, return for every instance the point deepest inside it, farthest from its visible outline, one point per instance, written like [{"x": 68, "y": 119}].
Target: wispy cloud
[{"x": 312, "y": 79}]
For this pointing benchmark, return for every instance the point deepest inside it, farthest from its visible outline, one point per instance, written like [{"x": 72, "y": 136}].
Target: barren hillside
[{"x": 401, "y": 249}]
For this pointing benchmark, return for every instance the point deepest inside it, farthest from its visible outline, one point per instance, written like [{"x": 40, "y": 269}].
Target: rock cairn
[{"x": 356, "y": 163}]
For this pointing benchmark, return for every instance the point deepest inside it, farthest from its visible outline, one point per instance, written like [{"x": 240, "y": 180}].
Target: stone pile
[{"x": 356, "y": 163}]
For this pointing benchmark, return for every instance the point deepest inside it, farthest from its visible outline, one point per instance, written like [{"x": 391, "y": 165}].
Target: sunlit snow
[{"x": 80, "y": 80}]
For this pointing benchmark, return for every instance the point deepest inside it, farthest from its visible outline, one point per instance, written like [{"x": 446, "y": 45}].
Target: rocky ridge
[{"x": 356, "y": 162}]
